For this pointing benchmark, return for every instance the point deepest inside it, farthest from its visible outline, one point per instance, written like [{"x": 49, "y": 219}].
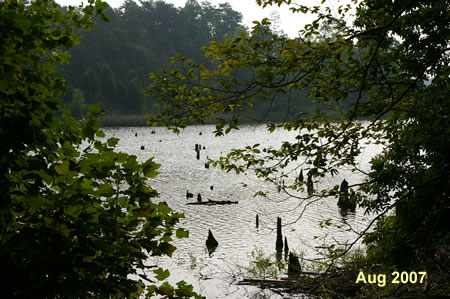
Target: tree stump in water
[
  {"x": 286, "y": 248},
  {"x": 300, "y": 176},
  {"x": 211, "y": 242},
  {"x": 343, "y": 192},
  {"x": 346, "y": 201},
  {"x": 310, "y": 185},
  {"x": 279, "y": 243},
  {"x": 294, "y": 268}
]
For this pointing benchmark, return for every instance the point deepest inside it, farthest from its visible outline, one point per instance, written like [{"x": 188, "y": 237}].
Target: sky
[{"x": 289, "y": 23}]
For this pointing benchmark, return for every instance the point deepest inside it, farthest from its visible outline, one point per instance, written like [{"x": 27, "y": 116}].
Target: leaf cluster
[{"x": 76, "y": 217}]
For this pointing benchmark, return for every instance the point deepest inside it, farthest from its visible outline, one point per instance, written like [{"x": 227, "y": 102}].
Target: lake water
[{"x": 214, "y": 276}]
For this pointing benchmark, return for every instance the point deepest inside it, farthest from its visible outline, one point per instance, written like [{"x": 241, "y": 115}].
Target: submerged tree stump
[
  {"x": 310, "y": 185},
  {"x": 343, "y": 192},
  {"x": 294, "y": 268},
  {"x": 279, "y": 243},
  {"x": 300, "y": 176},
  {"x": 286, "y": 248},
  {"x": 211, "y": 242},
  {"x": 346, "y": 201}
]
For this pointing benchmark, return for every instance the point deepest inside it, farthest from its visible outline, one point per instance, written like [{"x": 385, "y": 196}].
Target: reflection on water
[{"x": 233, "y": 225}]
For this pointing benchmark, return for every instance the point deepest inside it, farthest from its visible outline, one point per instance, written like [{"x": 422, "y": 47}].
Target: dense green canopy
[{"x": 76, "y": 217}]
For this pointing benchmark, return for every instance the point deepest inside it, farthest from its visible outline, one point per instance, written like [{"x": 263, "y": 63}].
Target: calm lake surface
[{"x": 232, "y": 225}]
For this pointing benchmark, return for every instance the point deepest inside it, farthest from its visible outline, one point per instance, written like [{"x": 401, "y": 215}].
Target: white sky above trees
[{"x": 289, "y": 23}]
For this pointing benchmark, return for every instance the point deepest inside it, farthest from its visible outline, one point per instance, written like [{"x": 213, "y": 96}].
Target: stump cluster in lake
[{"x": 293, "y": 261}]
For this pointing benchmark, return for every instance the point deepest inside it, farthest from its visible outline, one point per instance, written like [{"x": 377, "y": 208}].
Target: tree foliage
[
  {"x": 76, "y": 217},
  {"x": 389, "y": 65}
]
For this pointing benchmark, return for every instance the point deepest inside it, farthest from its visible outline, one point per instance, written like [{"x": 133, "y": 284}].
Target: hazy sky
[{"x": 290, "y": 23}]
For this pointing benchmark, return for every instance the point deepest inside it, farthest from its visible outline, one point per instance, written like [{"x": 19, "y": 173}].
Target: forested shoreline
[
  {"x": 112, "y": 63},
  {"x": 110, "y": 66}
]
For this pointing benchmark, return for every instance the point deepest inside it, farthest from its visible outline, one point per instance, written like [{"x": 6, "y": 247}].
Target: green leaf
[
  {"x": 20, "y": 21},
  {"x": 161, "y": 274},
  {"x": 181, "y": 233},
  {"x": 64, "y": 57},
  {"x": 167, "y": 248},
  {"x": 63, "y": 168},
  {"x": 36, "y": 202},
  {"x": 100, "y": 134},
  {"x": 149, "y": 168},
  {"x": 113, "y": 141}
]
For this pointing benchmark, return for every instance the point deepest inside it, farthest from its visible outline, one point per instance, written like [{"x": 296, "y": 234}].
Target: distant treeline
[{"x": 112, "y": 62}]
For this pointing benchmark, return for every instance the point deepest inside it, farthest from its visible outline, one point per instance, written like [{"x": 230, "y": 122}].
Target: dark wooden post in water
[
  {"x": 199, "y": 197},
  {"x": 343, "y": 193},
  {"x": 211, "y": 242},
  {"x": 279, "y": 243},
  {"x": 198, "y": 155},
  {"x": 257, "y": 221},
  {"x": 142, "y": 147},
  {"x": 310, "y": 185},
  {"x": 207, "y": 165},
  {"x": 346, "y": 201},
  {"x": 286, "y": 248},
  {"x": 300, "y": 176}
]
